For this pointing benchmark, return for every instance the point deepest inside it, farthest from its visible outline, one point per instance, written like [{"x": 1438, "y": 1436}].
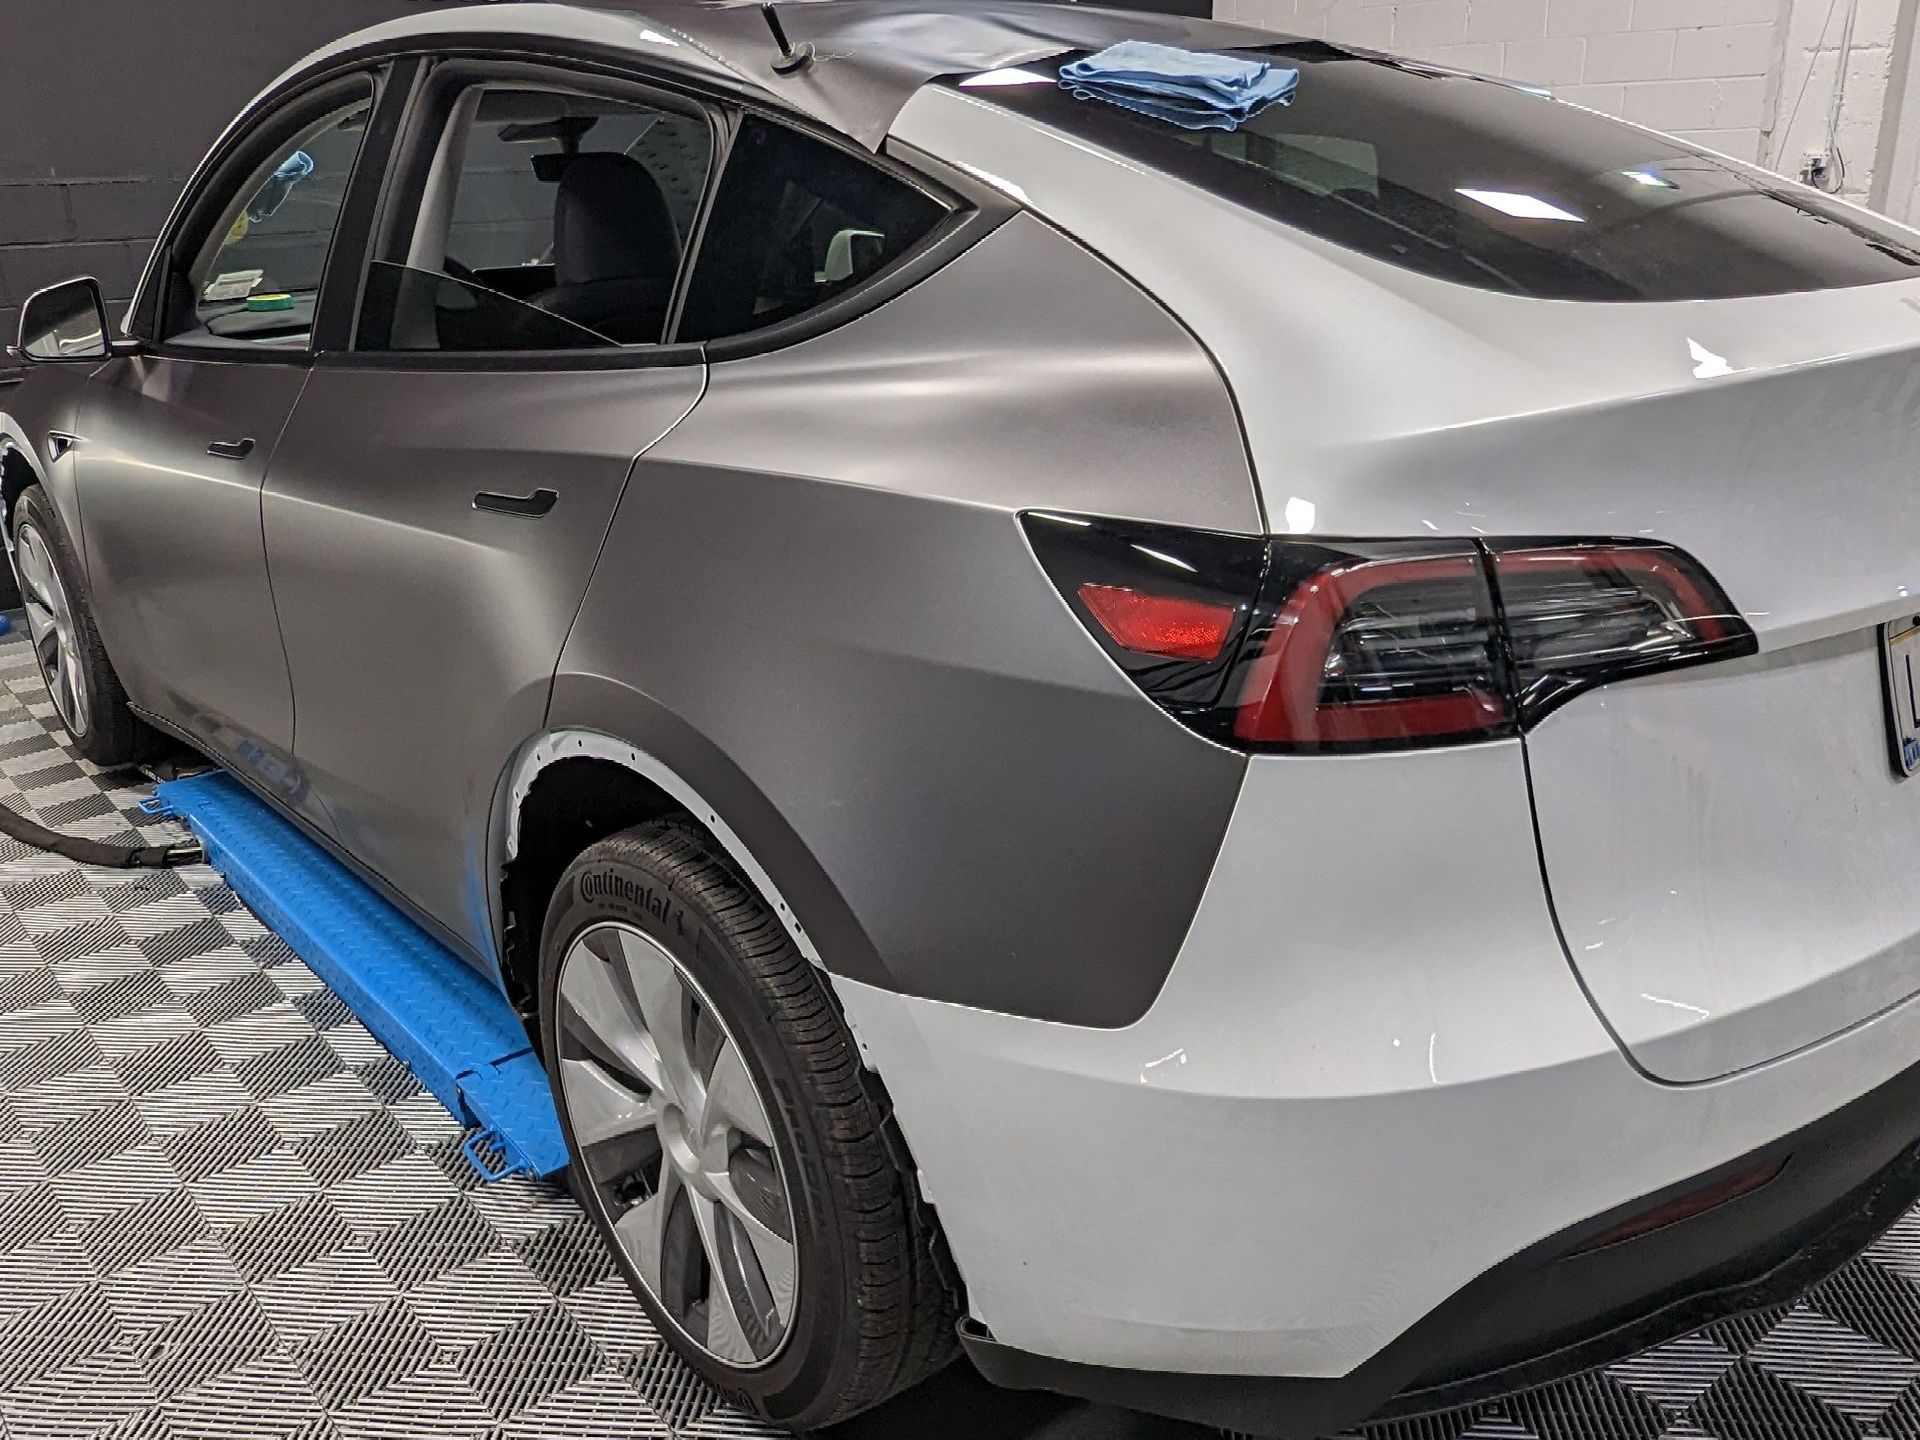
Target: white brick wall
[{"x": 1753, "y": 78}]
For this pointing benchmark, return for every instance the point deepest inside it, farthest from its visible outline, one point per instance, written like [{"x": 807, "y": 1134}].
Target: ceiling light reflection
[
  {"x": 1518, "y": 205},
  {"x": 1011, "y": 75}
]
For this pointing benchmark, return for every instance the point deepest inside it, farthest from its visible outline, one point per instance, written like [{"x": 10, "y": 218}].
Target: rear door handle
[
  {"x": 532, "y": 506},
  {"x": 232, "y": 449}
]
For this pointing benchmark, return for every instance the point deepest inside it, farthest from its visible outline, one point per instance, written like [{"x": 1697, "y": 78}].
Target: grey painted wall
[{"x": 106, "y": 105}]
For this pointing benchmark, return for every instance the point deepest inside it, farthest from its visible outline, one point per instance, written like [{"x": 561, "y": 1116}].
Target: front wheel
[
  {"x": 726, "y": 1140},
  {"x": 80, "y": 680}
]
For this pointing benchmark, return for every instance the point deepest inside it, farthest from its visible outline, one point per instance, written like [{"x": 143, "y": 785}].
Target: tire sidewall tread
[
  {"x": 115, "y": 735},
  {"x": 865, "y": 1323}
]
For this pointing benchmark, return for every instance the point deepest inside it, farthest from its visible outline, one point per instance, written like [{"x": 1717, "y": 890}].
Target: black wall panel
[{"x": 106, "y": 105}]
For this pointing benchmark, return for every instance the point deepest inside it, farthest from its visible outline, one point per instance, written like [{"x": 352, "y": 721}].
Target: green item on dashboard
[{"x": 270, "y": 302}]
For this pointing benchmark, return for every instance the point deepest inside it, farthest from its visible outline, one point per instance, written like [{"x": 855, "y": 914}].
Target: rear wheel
[
  {"x": 86, "y": 693},
  {"x": 727, "y": 1141}
]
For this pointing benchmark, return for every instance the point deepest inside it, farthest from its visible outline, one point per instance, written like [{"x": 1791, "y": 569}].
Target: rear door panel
[{"x": 421, "y": 631}]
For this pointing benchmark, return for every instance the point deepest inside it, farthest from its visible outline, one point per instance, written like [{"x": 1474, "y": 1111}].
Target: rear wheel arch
[{"x": 572, "y": 787}]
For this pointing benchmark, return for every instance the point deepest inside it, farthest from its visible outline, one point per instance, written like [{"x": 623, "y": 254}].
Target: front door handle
[
  {"x": 532, "y": 506},
  {"x": 232, "y": 449},
  {"x": 59, "y": 442}
]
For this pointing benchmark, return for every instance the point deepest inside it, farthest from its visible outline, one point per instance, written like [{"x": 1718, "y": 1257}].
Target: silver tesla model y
[{"x": 1247, "y": 750}]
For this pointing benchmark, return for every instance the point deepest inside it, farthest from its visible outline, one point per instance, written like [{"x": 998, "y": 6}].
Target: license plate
[{"x": 1900, "y": 664}]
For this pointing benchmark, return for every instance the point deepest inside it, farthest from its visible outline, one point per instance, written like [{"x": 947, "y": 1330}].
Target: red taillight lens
[
  {"x": 1367, "y": 645},
  {"x": 1166, "y": 625},
  {"x": 1369, "y": 651}
]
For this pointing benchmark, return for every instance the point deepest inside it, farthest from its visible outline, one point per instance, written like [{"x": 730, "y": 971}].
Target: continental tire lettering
[{"x": 625, "y": 890}]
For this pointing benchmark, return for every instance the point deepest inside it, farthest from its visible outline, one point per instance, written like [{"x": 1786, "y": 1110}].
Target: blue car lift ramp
[{"x": 453, "y": 1028}]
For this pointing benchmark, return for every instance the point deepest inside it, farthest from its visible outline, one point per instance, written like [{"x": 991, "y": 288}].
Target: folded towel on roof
[{"x": 1189, "y": 88}]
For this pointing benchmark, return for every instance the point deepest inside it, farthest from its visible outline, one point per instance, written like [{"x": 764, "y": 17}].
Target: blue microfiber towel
[{"x": 1189, "y": 88}]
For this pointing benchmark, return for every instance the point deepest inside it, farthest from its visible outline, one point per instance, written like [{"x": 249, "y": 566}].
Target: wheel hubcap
[
  {"x": 673, "y": 1135},
  {"x": 50, "y": 626}
]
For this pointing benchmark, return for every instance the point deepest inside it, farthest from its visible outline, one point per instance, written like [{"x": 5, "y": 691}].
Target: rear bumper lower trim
[{"x": 1564, "y": 1305}]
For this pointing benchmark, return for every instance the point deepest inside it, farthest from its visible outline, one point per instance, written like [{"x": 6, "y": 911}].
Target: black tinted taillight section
[
  {"x": 1295, "y": 645},
  {"x": 1579, "y": 614},
  {"x": 1170, "y": 606}
]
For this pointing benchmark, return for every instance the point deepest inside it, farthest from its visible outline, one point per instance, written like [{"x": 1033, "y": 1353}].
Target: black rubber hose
[{"x": 83, "y": 851}]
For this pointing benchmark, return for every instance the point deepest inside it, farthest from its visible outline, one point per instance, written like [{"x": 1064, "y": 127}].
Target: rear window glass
[
  {"x": 1489, "y": 185},
  {"x": 795, "y": 223}
]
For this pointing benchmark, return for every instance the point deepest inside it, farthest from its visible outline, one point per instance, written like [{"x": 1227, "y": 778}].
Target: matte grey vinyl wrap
[
  {"x": 1025, "y": 374},
  {"x": 413, "y": 693},
  {"x": 875, "y": 53},
  {"x": 175, "y": 563},
  {"x": 28, "y": 413},
  {"x": 871, "y": 56},
  {"x": 818, "y": 598}
]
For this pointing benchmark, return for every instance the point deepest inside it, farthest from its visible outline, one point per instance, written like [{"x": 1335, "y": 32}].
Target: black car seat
[{"x": 615, "y": 249}]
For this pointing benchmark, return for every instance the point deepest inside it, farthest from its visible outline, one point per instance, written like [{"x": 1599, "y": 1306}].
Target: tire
[
  {"x": 873, "y": 1308},
  {"x": 86, "y": 692}
]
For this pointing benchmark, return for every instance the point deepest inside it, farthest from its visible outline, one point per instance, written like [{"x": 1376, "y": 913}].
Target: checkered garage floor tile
[{"x": 226, "y": 1211}]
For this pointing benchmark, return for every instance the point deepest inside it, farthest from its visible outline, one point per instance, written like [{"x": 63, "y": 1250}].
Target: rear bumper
[
  {"x": 1799, "y": 1209},
  {"x": 1370, "y": 1082}
]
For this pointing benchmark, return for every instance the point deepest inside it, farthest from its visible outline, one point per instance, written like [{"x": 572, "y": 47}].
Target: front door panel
[
  {"x": 422, "y": 629},
  {"x": 171, "y": 536}
]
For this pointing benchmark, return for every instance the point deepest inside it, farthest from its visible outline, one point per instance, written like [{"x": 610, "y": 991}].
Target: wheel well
[
  {"x": 570, "y": 804},
  {"x": 16, "y": 474}
]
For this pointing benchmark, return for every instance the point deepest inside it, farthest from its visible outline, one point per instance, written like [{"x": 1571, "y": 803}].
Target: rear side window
[
  {"x": 550, "y": 220},
  {"x": 795, "y": 222},
  {"x": 1488, "y": 185}
]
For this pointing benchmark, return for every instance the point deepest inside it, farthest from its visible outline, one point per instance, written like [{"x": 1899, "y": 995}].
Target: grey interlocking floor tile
[{"x": 475, "y": 1301}]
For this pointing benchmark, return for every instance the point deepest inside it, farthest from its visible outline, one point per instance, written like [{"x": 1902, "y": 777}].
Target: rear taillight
[
  {"x": 1372, "y": 648},
  {"x": 1580, "y": 614},
  {"x": 1342, "y": 645}
]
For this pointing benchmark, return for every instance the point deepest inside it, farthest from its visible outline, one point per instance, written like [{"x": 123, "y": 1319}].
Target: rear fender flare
[{"x": 557, "y": 745}]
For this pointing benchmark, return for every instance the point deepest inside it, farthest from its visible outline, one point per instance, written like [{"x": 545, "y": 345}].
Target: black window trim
[
  {"x": 389, "y": 83},
  {"x": 445, "y": 77},
  {"x": 973, "y": 210},
  {"x": 403, "y": 72}
]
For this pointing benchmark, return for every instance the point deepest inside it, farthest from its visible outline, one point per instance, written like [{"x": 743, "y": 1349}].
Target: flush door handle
[
  {"x": 232, "y": 449},
  {"x": 532, "y": 506}
]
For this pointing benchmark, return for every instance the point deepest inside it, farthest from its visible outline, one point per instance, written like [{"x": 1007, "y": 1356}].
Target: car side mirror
[{"x": 67, "y": 321}]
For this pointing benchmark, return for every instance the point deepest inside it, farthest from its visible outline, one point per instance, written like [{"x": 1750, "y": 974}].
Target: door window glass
[
  {"x": 796, "y": 222},
  {"x": 257, "y": 276},
  {"x": 549, "y": 221}
]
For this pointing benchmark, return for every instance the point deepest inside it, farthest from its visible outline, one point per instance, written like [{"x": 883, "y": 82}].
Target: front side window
[
  {"x": 795, "y": 223},
  {"x": 1488, "y": 185},
  {"x": 255, "y": 278},
  {"x": 549, "y": 221}
]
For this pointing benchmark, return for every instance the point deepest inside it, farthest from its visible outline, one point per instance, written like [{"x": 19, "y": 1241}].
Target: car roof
[{"x": 869, "y": 56}]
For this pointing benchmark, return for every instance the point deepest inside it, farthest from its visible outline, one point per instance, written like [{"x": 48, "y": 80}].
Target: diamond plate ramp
[{"x": 453, "y": 1029}]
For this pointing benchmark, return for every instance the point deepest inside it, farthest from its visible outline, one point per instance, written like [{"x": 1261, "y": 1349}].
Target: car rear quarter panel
[
  {"x": 816, "y": 593},
  {"x": 1726, "y": 847}
]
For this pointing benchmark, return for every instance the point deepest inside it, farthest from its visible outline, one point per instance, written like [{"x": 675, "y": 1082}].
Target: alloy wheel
[
  {"x": 50, "y": 625},
  {"x": 672, "y": 1132}
]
